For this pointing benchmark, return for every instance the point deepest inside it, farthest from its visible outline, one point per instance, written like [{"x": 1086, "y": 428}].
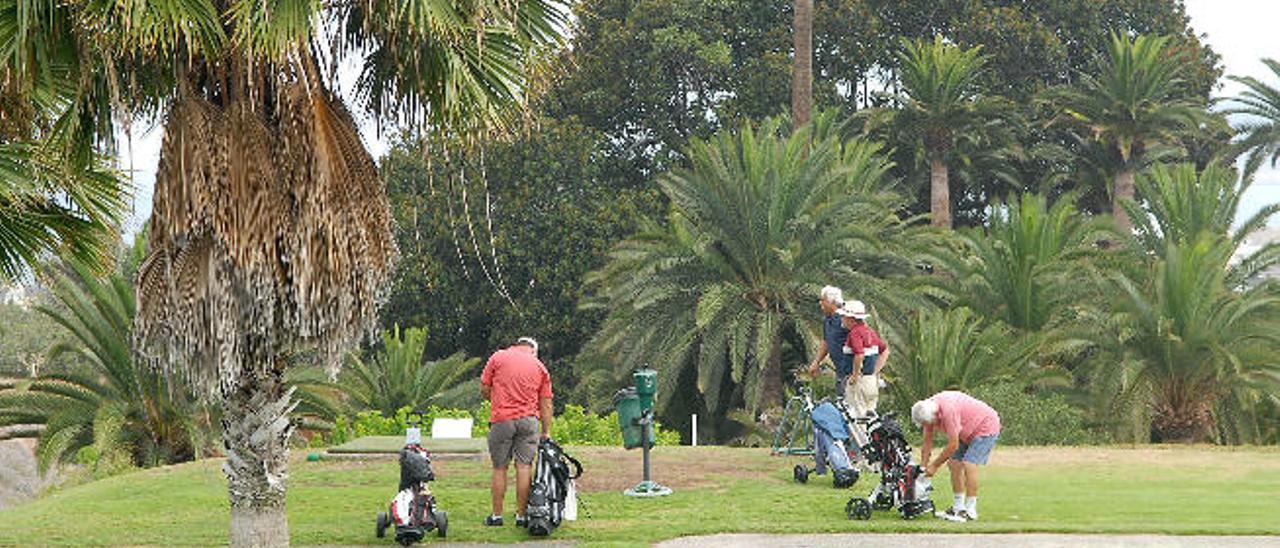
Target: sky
[{"x": 1241, "y": 31}]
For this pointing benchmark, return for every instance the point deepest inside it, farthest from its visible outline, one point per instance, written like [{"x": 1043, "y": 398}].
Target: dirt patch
[{"x": 609, "y": 469}]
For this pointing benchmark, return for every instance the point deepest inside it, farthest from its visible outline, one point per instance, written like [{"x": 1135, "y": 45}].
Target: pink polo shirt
[{"x": 965, "y": 417}]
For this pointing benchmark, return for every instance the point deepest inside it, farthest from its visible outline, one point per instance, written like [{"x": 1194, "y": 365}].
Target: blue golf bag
[{"x": 832, "y": 447}]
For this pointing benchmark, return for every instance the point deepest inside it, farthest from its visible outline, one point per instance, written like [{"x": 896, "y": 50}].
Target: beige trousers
[{"x": 863, "y": 394}]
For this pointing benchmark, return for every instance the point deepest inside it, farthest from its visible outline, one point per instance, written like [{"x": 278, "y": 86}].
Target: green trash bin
[
  {"x": 628, "y": 406},
  {"x": 646, "y": 381}
]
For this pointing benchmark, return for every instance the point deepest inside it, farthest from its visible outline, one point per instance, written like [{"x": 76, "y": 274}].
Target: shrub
[
  {"x": 575, "y": 426},
  {"x": 1035, "y": 419}
]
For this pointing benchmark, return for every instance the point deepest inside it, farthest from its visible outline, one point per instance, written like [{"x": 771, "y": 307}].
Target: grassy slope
[{"x": 1181, "y": 490}]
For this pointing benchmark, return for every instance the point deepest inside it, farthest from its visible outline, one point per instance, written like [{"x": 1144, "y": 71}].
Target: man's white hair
[
  {"x": 924, "y": 412},
  {"x": 833, "y": 295}
]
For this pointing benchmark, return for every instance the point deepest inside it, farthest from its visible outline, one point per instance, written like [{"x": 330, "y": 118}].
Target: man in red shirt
[
  {"x": 870, "y": 354},
  {"x": 518, "y": 388}
]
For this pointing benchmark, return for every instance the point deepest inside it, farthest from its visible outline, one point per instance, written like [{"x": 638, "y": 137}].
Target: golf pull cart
[{"x": 413, "y": 511}]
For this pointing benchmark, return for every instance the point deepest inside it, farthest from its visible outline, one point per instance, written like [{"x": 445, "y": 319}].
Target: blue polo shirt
[{"x": 834, "y": 333}]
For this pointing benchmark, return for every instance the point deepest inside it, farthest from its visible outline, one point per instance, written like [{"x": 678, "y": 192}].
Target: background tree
[
  {"x": 556, "y": 203},
  {"x": 940, "y": 99},
  {"x": 1134, "y": 106},
  {"x": 802, "y": 71}
]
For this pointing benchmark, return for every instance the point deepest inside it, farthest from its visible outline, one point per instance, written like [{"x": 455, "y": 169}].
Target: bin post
[{"x": 646, "y": 384}]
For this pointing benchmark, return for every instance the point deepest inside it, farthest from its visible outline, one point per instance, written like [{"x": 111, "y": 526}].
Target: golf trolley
[
  {"x": 903, "y": 484},
  {"x": 413, "y": 511}
]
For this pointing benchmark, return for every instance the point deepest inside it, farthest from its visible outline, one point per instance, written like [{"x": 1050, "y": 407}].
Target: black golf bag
[
  {"x": 552, "y": 482},
  {"x": 413, "y": 511},
  {"x": 903, "y": 484},
  {"x": 832, "y": 447}
]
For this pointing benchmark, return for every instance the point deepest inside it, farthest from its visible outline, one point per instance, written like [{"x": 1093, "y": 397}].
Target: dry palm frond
[{"x": 270, "y": 225}]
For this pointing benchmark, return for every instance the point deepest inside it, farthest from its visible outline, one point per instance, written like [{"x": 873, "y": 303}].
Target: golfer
[
  {"x": 518, "y": 388},
  {"x": 972, "y": 428},
  {"x": 868, "y": 353},
  {"x": 833, "y": 336}
]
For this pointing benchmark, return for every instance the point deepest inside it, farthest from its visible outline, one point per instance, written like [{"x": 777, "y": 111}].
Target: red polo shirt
[{"x": 517, "y": 380}]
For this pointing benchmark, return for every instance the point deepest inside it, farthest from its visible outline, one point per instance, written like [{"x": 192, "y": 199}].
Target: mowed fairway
[{"x": 1178, "y": 490}]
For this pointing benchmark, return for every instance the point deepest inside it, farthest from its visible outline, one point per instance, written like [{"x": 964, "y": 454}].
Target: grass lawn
[{"x": 1128, "y": 490}]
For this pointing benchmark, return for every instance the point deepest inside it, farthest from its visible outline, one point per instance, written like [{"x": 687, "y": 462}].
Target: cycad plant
[
  {"x": 1136, "y": 106},
  {"x": 957, "y": 349},
  {"x": 399, "y": 375},
  {"x": 1259, "y": 110},
  {"x": 112, "y": 403},
  {"x": 1023, "y": 267},
  {"x": 1183, "y": 202},
  {"x": 1195, "y": 349},
  {"x": 270, "y": 234},
  {"x": 759, "y": 222}
]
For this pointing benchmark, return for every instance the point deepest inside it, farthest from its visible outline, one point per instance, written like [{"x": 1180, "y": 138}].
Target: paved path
[{"x": 1038, "y": 540}]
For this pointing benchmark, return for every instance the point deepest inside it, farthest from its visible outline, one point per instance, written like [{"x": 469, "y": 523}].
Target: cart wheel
[
  {"x": 883, "y": 502},
  {"x": 442, "y": 523},
  {"x": 858, "y": 508},
  {"x": 801, "y": 474},
  {"x": 383, "y": 522}
]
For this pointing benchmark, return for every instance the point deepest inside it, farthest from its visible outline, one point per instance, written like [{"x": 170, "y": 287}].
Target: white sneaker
[{"x": 954, "y": 514}]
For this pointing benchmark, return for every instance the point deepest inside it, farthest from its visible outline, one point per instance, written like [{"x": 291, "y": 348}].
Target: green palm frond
[
  {"x": 1259, "y": 106},
  {"x": 398, "y": 376},
  {"x": 1135, "y": 102}
]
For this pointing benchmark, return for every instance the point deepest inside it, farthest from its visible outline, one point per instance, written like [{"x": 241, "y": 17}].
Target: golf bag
[
  {"x": 903, "y": 484},
  {"x": 413, "y": 511},
  {"x": 832, "y": 447},
  {"x": 553, "y": 489}
]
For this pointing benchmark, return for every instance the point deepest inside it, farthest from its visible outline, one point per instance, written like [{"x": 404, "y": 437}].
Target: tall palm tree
[
  {"x": 1260, "y": 129},
  {"x": 147, "y": 416},
  {"x": 802, "y": 64},
  {"x": 1136, "y": 106},
  {"x": 758, "y": 223},
  {"x": 270, "y": 231},
  {"x": 941, "y": 99}
]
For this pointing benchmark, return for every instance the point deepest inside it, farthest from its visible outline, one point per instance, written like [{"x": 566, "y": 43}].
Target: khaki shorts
[
  {"x": 863, "y": 394},
  {"x": 514, "y": 438}
]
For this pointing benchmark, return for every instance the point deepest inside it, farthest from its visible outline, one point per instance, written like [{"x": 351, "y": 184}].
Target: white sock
[
  {"x": 959, "y": 502},
  {"x": 971, "y": 506}
]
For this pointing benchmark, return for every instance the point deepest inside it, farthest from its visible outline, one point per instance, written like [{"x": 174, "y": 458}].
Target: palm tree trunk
[
  {"x": 771, "y": 384},
  {"x": 939, "y": 194},
  {"x": 802, "y": 68},
  {"x": 1122, "y": 192},
  {"x": 256, "y": 430}
]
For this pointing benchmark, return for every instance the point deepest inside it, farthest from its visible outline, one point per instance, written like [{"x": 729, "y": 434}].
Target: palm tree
[
  {"x": 1195, "y": 342},
  {"x": 956, "y": 349},
  {"x": 941, "y": 99},
  {"x": 114, "y": 404},
  {"x": 1192, "y": 347},
  {"x": 802, "y": 65},
  {"x": 758, "y": 223},
  {"x": 398, "y": 376},
  {"x": 1135, "y": 106},
  {"x": 1260, "y": 104},
  {"x": 1023, "y": 267},
  {"x": 270, "y": 232},
  {"x": 57, "y": 194}
]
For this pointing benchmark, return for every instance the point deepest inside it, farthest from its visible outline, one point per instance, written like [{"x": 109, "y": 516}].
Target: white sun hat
[{"x": 854, "y": 309}]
